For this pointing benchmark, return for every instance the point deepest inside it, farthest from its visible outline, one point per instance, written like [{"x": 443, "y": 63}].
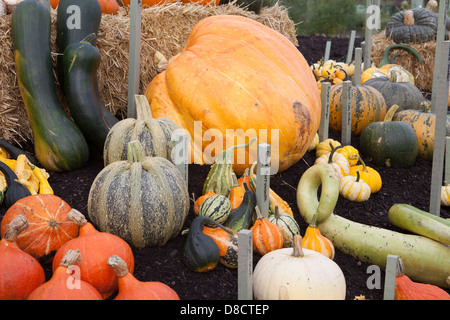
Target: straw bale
[
  {"x": 165, "y": 28},
  {"x": 422, "y": 71}
]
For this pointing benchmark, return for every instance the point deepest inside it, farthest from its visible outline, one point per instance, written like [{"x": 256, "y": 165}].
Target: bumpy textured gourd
[
  {"x": 354, "y": 189},
  {"x": 288, "y": 225},
  {"x": 217, "y": 207},
  {"x": 221, "y": 171},
  {"x": 58, "y": 143},
  {"x": 426, "y": 260}
]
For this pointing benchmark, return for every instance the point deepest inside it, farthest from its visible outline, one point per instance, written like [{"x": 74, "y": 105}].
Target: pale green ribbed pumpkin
[
  {"x": 143, "y": 200},
  {"x": 153, "y": 134}
]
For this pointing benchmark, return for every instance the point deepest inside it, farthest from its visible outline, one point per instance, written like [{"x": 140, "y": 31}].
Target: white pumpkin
[
  {"x": 297, "y": 274},
  {"x": 354, "y": 189}
]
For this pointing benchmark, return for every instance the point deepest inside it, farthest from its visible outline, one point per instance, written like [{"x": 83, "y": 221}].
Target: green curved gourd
[{"x": 385, "y": 58}]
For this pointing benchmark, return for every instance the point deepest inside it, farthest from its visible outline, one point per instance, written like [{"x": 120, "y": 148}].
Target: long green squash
[
  {"x": 70, "y": 31},
  {"x": 80, "y": 64},
  {"x": 425, "y": 260},
  {"x": 59, "y": 144}
]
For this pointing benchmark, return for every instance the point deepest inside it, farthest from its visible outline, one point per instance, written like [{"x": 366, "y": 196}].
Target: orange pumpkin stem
[{"x": 15, "y": 227}]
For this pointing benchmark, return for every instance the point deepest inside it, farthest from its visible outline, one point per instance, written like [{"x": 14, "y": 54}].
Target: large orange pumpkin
[
  {"x": 236, "y": 73},
  {"x": 48, "y": 228}
]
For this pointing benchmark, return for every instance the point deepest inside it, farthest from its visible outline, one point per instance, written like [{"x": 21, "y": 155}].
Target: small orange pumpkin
[
  {"x": 49, "y": 227},
  {"x": 267, "y": 236},
  {"x": 131, "y": 288},
  {"x": 20, "y": 273},
  {"x": 65, "y": 284},
  {"x": 314, "y": 240},
  {"x": 206, "y": 195},
  {"x": 236, "y": 193}
]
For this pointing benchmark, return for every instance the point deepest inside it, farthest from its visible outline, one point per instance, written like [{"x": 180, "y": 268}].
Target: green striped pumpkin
[
  {"x": 143, "y": 200},
  {"x": 153, "y": 134},
  {"x": 368, "y": 105},
  {"x": 216, "y": 207},
  {"x": 288, "y": 225}
]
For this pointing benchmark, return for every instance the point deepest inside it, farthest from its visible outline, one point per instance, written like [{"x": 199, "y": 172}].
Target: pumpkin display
[
  {"x": 95, "y": 247},
  {"x": 423, "y": 124},
  {"x": 108, "y": 6},
  {"x": 403, "y": 94},
  {"x": 418, "y": 25},
  {"x": 143, "y": 200},
  {"x": 131, "y": 288},
  {"x": 314, "y": 240},
  {"x": 48, "y": 228},
  {"x": 288, "y": 225},
  {"x": 368, "y": 174},
  {"x": 20, "y": 273},
  {"x": 298, "y": 274},
  {"x": 267, "y": 236},
  {"x": 259, "y": 70},
  {"x": 354, "y": 189},
  {"x": 64, "y": 284},
  {"x": 368, "y": 105},
  {"x": 389, "y": 143},
  {"x": 155, "y": 135}
]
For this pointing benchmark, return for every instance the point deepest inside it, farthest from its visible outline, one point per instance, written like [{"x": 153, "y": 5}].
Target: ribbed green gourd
[
  {"x": 221, "y": 171},
  {"x": 155, "y": 135},
  {"x": 143, "y": 200}
]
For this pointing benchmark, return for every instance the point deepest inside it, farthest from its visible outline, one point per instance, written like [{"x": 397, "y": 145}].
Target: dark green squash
[
  {"x": 201, "y": 253},
  {"x": 90, "y": 14},
  {"x": 59, "y": 144},
  {"x": 403, "y": 94},
  {"x": 15, "y": 190},
  {"x": 412, "y": 26},
  {"x": 14, "y": 152},
  {"x": 80, "y": 64},
  {"x": 389, "y": 143},
  {"x": 242, "y": 217}
]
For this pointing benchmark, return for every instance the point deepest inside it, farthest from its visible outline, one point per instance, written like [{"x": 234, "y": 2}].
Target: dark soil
[{"x": 165, "y": 264}]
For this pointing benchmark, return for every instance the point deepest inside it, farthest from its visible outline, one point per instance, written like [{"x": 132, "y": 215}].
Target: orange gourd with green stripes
[{"x": 267, "y": 236}]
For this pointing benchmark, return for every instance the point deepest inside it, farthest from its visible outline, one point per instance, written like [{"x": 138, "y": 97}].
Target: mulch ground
[{"x": 165, "y": 264}]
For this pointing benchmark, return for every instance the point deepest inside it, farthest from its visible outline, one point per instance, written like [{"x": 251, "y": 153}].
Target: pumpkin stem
[
  {"x": 357, "y": 175},
  {"x": 15, "y": 227},
  {"x": 390, "y": 114},
  {"x": 134, "y": 149},
  {"x": 143, "y": 110},
  {"x": 70, "y": 258},
  {"x": 119, "y": 266},
  {"x": 330, "y": 159},
  {"x": 277, "y": 212},
  {"x": 298, "y": 250},
  {"x": 89, "y": 38},
  {"x": 313, "y": 223},
  {"x": 226, "y": 156},
  {"x": 352, "y": 157},
  {"x": 76, "y": 217},
  {"x": 432, "y": 5},
  {"x": 400, "y": 268},
  {"x": 408, "y": 18}
]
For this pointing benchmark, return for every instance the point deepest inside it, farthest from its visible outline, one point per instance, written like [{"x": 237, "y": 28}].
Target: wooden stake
[
  {"x": 346, "y": 133},
  {"x": 263, "y": 178},
  {"x": 327, "y": 51},
  {"x": 440, "y": 37},
  {"x": 325, "y": 116},
  {"x": 356, "y": 79},
  {"x": 368, "y": 39},
  {"x": 134, "y": 56},
  {"x": 351, "y": 44},
  {"x": 440, "y": 128},
  {"x": 245, "y": 265},
  {"x": 392, "y": 262}
]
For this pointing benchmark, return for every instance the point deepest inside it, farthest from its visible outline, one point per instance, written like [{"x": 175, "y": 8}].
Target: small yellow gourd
[
  {"x": 354, "y": 189},
  {"x": 350, "y": 153},
  {"x": 326, "y": 146},
  {"x": 338, "y": 161}
]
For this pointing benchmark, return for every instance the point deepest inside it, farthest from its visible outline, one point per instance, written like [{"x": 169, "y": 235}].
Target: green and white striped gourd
[
  {"x": 143, "y": 200},
  {"x": 153, "y": 134},
  {"x": 217, "y": 208},
  {"x": 221, "y": 171},
  {"x": 289, "y": 227}
]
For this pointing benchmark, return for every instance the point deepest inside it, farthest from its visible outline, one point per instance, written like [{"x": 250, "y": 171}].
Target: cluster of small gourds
[
  {"x": 228, "y": 205},
  {"x": 20, "y": 177},
  {"x": 332, "y": 71},
  {"x": 88, "y": 264},
  {"x": 357, "y": 182}
]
